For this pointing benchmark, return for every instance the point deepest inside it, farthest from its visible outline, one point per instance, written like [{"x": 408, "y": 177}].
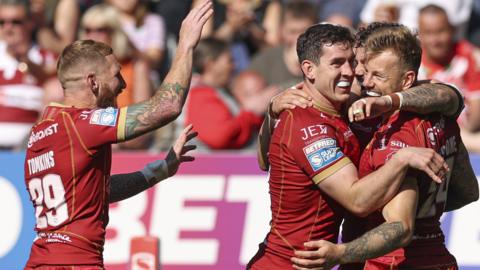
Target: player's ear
[
  {"x": 408, "y": 79},
  {"x": 92, "y": 83},
  {"x": 308, "y": 68}
]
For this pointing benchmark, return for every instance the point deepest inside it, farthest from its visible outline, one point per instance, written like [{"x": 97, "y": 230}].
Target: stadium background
[{"x": 211, "y": 215}]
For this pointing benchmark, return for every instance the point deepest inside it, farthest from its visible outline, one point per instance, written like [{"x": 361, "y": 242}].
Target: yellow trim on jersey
[
  {"x": 331, "y": 170},
  {"x": 122, "y": 120},
  {"x": 56, "y": 104}
]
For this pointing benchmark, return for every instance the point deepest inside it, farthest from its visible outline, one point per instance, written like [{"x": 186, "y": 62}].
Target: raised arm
[
  {"x": 424, "y": 98},
  {"x": 124, "y": 186},
  {"x": 396, "y": 232},
  {"x": 168, "y": 100}
]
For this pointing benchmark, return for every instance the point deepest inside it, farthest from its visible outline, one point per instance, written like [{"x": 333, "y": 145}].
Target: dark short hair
[
  {"x": 300, "y": 10},
  {"x": 401, "y": 41},
  {"x": 208, "y": 49},
  {"x": 311, "y": 42},
  {"x": 364, "y": 32}
]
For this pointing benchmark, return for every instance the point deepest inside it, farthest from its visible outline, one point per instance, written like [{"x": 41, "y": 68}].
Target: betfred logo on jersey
[
  {"x": 322, "y": 153},
  {"x": 104, "y": 117}
]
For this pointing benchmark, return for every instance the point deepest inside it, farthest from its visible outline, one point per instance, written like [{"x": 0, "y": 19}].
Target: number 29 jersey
[
  {"x": 405, "y": 129},
  {"x": 67, "y": 174}
]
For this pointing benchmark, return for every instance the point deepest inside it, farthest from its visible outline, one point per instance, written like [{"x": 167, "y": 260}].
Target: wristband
[
  {"x": 397, "y": 100},
  {"x": 155, "y": 171}
]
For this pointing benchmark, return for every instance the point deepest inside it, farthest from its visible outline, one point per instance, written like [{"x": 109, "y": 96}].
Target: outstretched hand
[
  {"x": 178, "y": 151},
  {"x": 192, "y": 25}
]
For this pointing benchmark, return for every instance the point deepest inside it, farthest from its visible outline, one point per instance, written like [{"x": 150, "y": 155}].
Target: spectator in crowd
[
  {"x": 239, "y": 22},
  {"x": 56, "y": 22},
  {"x": 279, "y": 65},
  {"x": 458, "y": 11},
  {"x": 23, "y": 70},
  {"x": 451, "y": 61},
  {"x": 100, "y": 23},
  {"x": 343, "y": 12},
  {"x": 144, "y": 29},
  {"x": 221, "y": 121}
]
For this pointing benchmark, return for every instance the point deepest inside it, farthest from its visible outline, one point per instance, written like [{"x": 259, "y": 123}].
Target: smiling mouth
[
  {"x": 343, "y": 84},
  {"x": 373, "y": 93}
]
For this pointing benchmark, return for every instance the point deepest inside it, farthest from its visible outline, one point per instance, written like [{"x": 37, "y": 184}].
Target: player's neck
[
  {"x": 321, "y": 101},
  {"x": 78, "y": 99}
]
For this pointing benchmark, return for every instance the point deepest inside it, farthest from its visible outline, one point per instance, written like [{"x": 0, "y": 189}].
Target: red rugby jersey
[
  {"x": 307, "y": 143},
  {"x": 67, "y": 172},
  {"x": 405, "y": 129}
]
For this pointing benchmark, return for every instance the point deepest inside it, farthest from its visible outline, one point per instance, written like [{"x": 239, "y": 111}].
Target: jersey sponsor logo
[
  {"x": 398, "y": 144},
  {"x": 322, "y": 153},
  {"x": 312, "y": 131},
  {"x": 41, "y": 163},
  {"x": 37, "y": 136},
  {"x": 104, "y": 117}
]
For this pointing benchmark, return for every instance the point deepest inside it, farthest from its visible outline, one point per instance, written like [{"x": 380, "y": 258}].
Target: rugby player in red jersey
[
  {"x": 67, "y": 166},
  {"x": 408, "y": 226},
  {"x": 313, "y": 154},
  {"x": 423, "y": 98}
]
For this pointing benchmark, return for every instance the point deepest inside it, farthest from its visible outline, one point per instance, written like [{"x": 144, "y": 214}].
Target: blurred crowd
[{"x": 246, "y": 56}]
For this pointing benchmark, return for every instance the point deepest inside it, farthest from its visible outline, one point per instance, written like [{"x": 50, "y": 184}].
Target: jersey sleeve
[
  {"x": 316, "y": 149},
  {"x": 102, "y": 126},
  {"x": 461, "y": 100}
]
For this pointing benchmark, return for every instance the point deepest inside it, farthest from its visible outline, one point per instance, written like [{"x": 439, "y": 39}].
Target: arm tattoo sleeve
[
  {"x": 374, "y": 243},
  {"x": 159, "y": 110},
  {"x": 124, "y": 186},
  {"x": 430, "y": 98}
]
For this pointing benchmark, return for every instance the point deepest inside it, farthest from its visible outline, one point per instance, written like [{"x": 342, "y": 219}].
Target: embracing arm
[
  {"x": 396, "y": 232},
  {"x": 363, "y": 196},
  {"x": 168, "y": 100},
  {"x": 424, "y": 98},
  {"x": 427, "y": 98},
  {"x": 463, "y": 186}
]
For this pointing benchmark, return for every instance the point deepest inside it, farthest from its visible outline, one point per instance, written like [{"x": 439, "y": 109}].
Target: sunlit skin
[
  {"x": 111, "y": 83},
  {"x": 14, "y": 34},
  {"x": 383, "y": 75},
  {"x": 330, "y": 81}
]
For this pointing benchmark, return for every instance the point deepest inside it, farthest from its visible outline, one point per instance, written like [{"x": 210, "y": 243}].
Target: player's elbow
[{"x": 360, "y": 209}]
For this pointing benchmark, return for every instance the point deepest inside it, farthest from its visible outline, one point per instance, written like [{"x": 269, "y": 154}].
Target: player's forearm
[
  {"x": 123, "y": 186},
  {"x": 377, "y": 188},
  {"x": 167, "y": 102},
  {"x": 379, "y": 241},
  {"x": 429, "y": 98}
]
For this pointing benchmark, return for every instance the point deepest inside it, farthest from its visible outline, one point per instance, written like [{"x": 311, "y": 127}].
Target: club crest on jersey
[
  {"x": 104, "y": 117},
  {"x": 322, "y": 153}
]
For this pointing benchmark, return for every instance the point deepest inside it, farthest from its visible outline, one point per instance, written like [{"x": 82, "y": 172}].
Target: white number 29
[{"x": 49, "y": 190}]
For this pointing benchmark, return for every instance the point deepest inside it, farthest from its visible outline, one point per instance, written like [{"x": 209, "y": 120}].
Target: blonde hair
[
  {"x": 106, "y": 15},
  {"x": 80, "y": 53}
]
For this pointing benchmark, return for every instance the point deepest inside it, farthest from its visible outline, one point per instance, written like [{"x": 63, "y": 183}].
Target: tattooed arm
[
  {"x": 424, "y": 98},
  {"x": 396, "y": 232},
  {"x": 463, "y": 185},
  {"x": 168, "y": 100}
]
